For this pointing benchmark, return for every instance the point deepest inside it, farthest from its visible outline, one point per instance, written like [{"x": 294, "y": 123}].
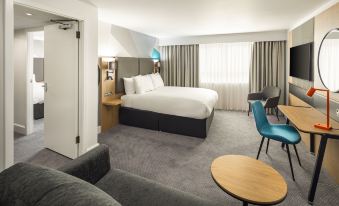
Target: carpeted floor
[{"x": 184, "y": 162}]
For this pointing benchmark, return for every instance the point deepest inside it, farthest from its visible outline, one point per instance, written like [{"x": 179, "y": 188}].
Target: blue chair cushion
[{"x": 281, "y": 132}]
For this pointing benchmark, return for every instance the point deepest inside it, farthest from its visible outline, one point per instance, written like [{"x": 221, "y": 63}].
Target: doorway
[{"x": 46, "y": 84}]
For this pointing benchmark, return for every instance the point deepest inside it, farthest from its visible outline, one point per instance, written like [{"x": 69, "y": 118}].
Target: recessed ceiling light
[{"x": 29, "y": 14}]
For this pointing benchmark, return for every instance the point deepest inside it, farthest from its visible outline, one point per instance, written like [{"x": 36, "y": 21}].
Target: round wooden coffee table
[{"x": 249, "y": 180}]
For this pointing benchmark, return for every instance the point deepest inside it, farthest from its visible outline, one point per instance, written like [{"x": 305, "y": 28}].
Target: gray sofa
[{"x": 85, "y": 181}]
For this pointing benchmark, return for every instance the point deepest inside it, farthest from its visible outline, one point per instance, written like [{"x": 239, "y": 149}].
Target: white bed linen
[
  {"x": 197, "y": 103},
  {"x": 38, "y": 93}
]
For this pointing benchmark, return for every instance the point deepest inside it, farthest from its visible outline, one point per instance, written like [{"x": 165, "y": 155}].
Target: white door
[{"x": 61, "y": 90}]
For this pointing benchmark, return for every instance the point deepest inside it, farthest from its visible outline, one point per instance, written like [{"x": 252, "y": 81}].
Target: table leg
[
  {"x": 317, "y": 169},
  {"x": 312, "y": 139},
  {"x": 244, "y": 203}
]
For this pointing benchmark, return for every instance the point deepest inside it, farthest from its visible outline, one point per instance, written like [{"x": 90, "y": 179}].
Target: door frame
[
  {"x": 88, "y": 55},
  {"x": 7, "y": 84},
  {"x": 29, "y": 83}
]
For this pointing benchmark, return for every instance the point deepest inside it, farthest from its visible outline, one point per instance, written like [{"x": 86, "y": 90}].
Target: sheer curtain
[{"x": 224, "y": 67}]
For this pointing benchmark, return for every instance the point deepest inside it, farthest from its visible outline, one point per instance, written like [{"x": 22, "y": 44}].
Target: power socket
[{"x": 337, "y": 111}]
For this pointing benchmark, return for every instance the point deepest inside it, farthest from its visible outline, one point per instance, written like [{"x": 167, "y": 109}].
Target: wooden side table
[
  {"x": 249, "y": 180},
  {"x": 110, "y": 114}
]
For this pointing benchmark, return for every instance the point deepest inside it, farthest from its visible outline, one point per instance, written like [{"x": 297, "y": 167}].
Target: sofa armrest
[
  {"x": 272, "y": 102},
  {"x": 90, "y": 167},
  {"x": 255, "y": 96}
]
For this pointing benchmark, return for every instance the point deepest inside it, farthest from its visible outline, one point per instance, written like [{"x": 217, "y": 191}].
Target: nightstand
[
  {"x": 112, "y": 102},
  {"x": 110, "y": 114}
]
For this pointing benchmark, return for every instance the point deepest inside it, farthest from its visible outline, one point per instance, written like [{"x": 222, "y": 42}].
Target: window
[
  {"x": 224, "y": 67},
  {"x": 225, "y": 62}
]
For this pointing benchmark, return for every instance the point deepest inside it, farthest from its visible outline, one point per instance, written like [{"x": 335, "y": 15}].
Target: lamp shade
[
  {"x": 311, "y": 92},
  {"x": 155, "y": 54}
]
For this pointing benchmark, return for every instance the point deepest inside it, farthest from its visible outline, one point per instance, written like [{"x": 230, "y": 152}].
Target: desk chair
[
  {"x": 269, "y": 97},
  {"x": 283, "y": 133}
]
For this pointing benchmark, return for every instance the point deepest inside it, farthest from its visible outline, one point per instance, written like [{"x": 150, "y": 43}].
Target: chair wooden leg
[
  {"x": 296, "y": 152},
  {"x": 268, "y": 143},
  {"x": 277, "y": 113},
  {"x": 289, "y": 159},
  {"x": 262, "y": 141}
]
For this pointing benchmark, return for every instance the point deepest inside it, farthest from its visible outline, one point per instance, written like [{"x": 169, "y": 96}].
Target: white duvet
[{"x": 197, "y": 103}]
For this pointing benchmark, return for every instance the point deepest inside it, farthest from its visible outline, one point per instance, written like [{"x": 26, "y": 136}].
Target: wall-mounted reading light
[
  {"x": 29, "y": 14},
  {"x": 108, "y": 59},
  {"x": 156, "y": 60},
  {"x": 110, "y": 67}
]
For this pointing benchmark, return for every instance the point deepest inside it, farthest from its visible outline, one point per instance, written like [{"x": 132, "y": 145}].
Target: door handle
[{"x": 45, "y": 86}]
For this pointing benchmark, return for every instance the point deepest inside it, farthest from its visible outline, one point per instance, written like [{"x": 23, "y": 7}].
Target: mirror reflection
[{"x": 328, "y": 61}]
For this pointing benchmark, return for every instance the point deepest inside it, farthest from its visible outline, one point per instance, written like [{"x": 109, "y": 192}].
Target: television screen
[{"x": 301, "y": 61}]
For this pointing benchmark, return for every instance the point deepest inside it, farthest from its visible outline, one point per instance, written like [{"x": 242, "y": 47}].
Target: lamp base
[{"x": 323, "y": 126}]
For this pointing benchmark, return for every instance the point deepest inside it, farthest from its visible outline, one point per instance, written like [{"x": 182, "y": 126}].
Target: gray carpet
[
  {"x": 31, "y": 148},
  {"x": 184, "y": 162}
]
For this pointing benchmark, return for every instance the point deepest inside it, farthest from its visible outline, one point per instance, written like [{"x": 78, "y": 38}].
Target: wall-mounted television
[{"x": 301, "y": 61}]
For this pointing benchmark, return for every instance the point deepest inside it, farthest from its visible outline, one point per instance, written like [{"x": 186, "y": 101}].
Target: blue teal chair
[{"x": 283, "y": 133}]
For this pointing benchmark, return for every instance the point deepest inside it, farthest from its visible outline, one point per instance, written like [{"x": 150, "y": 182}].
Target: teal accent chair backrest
[{"x": 259, "y": 115}]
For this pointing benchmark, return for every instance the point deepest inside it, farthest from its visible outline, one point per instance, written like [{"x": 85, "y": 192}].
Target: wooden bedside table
[
  {"x": 110, "y": 114},
  {"x": 113, "y": 102}
]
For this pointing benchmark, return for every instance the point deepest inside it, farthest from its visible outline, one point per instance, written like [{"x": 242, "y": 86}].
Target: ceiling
[
  {"x": 171, "y": 18},
  {"x": 37, "y": 19}
]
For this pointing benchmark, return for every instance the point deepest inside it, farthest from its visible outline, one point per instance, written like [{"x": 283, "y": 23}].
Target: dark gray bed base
[
  {"x": 38, "y": 110},
  {"x": 165, "y": 123}
]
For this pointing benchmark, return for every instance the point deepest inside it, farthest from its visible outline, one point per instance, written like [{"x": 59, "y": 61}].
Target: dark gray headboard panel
[
  {"x": 131, "y": 66},
  {"x": 127, "y": 67},
  {"x": 145, "y": 66}
]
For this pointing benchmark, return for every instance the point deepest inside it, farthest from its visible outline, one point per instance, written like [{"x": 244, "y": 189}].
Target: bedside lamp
[
  {"x": 156, "y": 60},
  {"x": 326, "y": 126}
]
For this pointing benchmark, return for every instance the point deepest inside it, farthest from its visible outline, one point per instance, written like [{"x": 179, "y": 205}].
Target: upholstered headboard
[
  {"x": 131, "y": 66},
  {"x": 145, "y": 66}
]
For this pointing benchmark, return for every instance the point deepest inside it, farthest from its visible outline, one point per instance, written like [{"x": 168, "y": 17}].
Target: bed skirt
[{"x": 165, "y": 123}]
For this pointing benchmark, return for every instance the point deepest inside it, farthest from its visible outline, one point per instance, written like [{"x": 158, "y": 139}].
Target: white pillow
[
  {"x": 157, "y": 80},
  {"x": 129, "y": 86},
  {"x": 143, "y": 84},
  {"x": 138, "y": 84},
  {"x": 148, "y": 82}
]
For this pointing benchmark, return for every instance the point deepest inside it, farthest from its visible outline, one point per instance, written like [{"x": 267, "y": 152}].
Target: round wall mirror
[{"x": 328, "y": 60}]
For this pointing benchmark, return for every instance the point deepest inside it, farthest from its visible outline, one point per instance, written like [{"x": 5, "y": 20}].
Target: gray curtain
[
  {"x": 268, "y": 66},
  {"x": 180, "y": 65}
]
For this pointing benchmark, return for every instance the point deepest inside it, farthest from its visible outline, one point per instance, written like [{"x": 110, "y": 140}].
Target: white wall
[
  {"x": 20, "y": 81},
  {"x": 88, "y": 61},
  {"x": 38, "y": 49},
  {"x": 6, "y": 84},
  {"x": 118, "y": 41},
  {"x": 221, "y": 38}
]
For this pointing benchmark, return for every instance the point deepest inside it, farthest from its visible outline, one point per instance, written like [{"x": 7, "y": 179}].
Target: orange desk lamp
[{"x": 326, "y": 126}]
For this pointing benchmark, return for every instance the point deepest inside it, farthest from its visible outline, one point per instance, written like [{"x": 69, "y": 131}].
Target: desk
[
  {"x": 249, "y": 180},
  {"x": 303, "y": 119}
]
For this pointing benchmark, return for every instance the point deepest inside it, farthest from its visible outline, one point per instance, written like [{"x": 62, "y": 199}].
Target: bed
[
  {"x": 38, "y": 99},
  {"x": 178, "y": 110}
]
